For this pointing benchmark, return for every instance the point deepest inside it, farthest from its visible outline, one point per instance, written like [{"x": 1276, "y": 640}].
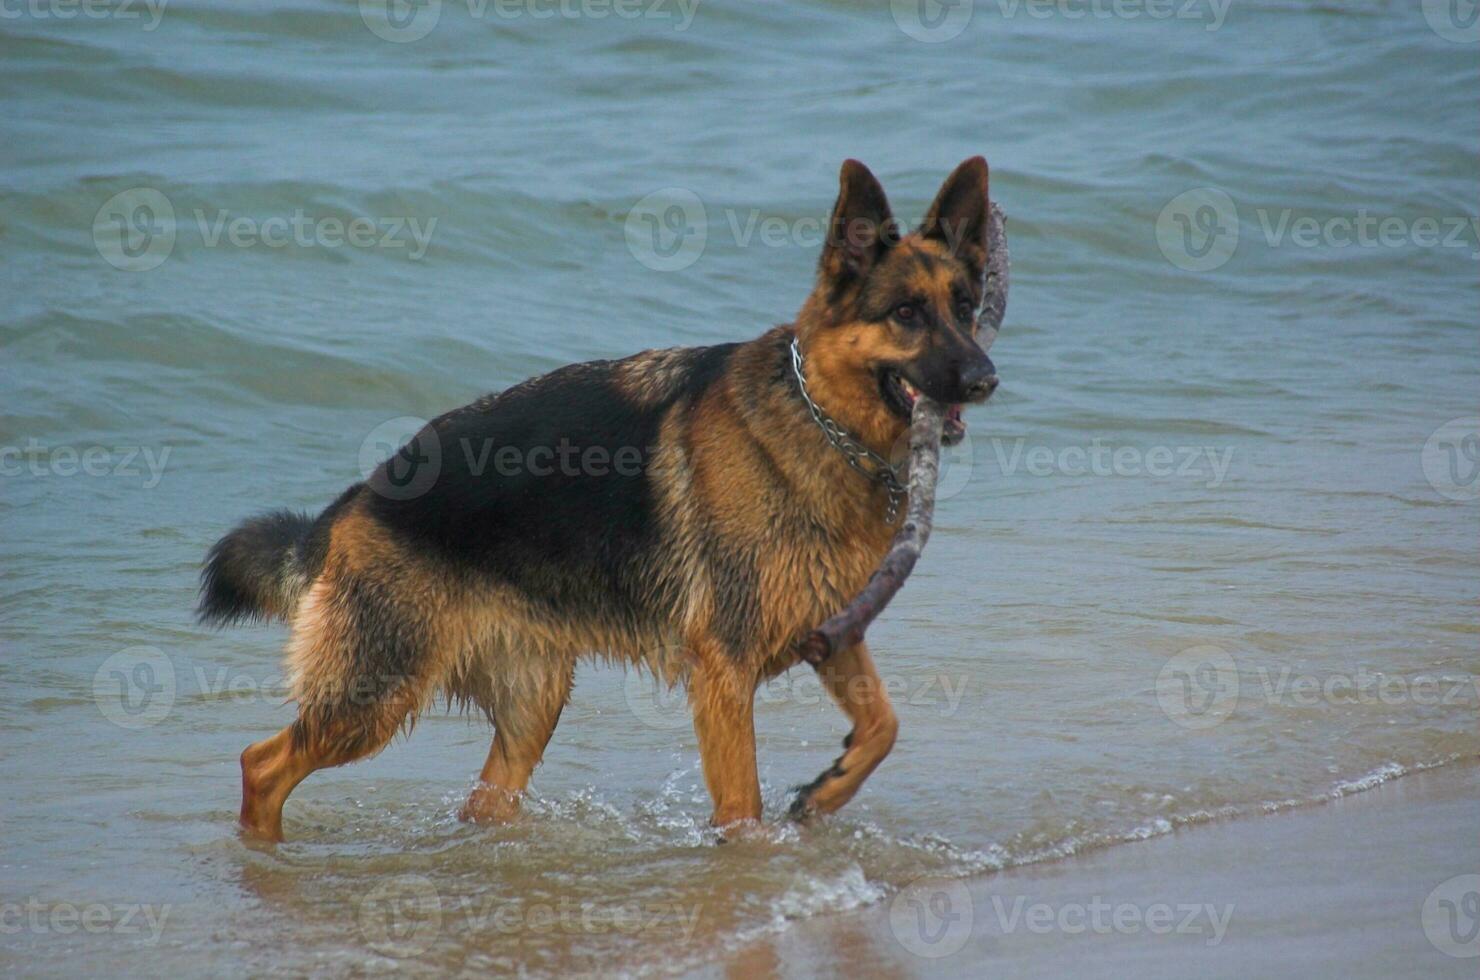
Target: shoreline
[{"x": 1348, "y": 887}]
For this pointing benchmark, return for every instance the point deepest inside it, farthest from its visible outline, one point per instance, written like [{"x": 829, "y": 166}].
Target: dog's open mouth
[{"x": 900, "y": 396}]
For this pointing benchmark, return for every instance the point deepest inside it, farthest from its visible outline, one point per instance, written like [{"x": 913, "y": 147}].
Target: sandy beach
[{"x": 1351, "y": 888}]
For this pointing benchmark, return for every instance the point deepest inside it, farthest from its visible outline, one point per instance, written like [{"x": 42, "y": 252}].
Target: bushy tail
[{"x": 257, "y": 572}]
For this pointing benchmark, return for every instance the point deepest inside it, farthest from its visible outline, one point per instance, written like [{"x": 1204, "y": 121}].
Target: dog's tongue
[{"x": 953, "y": 427}]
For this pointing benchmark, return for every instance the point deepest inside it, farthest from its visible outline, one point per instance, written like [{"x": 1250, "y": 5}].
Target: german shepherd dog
[{"x": 700, "y": 521}]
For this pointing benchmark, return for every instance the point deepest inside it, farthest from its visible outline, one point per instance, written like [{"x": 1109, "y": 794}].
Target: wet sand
[{"x": 1331, "y": 890}]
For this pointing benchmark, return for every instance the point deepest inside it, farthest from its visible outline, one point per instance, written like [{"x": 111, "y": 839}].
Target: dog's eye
[
  {"x": 904, "y": 312},
  {"x": 964, "y": 309}
]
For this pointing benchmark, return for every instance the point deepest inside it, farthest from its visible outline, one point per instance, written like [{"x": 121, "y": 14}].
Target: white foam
[{"x": 1375, "y": 778}]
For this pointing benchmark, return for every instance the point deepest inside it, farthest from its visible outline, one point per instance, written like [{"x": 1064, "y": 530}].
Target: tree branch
[{"x": 846, "y": 628}]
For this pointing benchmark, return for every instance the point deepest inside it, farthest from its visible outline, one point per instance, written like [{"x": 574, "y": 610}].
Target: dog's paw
[
  {"x": 741, "y": 830},
  {"x": 803, "y": 808}
]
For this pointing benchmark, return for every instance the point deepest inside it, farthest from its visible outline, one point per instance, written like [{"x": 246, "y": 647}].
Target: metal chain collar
[{"x": 879, "y": 470}]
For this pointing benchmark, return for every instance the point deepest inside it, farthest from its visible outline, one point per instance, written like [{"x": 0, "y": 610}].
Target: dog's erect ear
[
  {"x": 958, "y": 218},
  {"x": 862, "y": 228}
]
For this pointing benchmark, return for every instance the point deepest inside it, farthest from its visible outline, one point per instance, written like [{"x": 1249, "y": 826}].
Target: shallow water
[{"x": 1210, "y": 551}]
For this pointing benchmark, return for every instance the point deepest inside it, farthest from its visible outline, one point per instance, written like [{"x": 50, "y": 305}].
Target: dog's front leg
[
  {"x": 722, "y": 699},
  {"x": 854, "y": 684}
]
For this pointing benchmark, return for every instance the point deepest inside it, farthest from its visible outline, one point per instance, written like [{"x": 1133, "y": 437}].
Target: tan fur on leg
[
  {"x": 525, "y": 715},
  {"x": 853, "y": 682},
  {"x": 722, "y": 698},
  {"x": 273, "y": 767}
]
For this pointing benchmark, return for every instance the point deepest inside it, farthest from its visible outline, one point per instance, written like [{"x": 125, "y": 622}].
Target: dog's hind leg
[
  {"x": 526, "y": 706},
  {"x": 374, "y": 636},
  {"x": 851, "y": 679},
  {"x": 319, "y": 739}
]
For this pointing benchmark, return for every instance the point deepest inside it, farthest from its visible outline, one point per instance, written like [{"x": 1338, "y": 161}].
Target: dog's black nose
[{"x": 979, "y": 381}]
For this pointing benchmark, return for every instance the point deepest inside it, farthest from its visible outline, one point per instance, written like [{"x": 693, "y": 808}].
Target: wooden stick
[
  {"x": 846, "y": 628},
  {"x": 999, "y": 268}
]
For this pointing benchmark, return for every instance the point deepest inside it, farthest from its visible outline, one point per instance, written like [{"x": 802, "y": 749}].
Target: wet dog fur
[{"x": 703, "y": 528}]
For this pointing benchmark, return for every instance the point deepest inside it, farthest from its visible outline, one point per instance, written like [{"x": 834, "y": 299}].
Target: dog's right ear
[{"x": 862, "y": 227}]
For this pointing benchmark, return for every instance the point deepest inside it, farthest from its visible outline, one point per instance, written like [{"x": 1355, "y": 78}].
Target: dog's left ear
[{"x": 958, "y": 218}]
